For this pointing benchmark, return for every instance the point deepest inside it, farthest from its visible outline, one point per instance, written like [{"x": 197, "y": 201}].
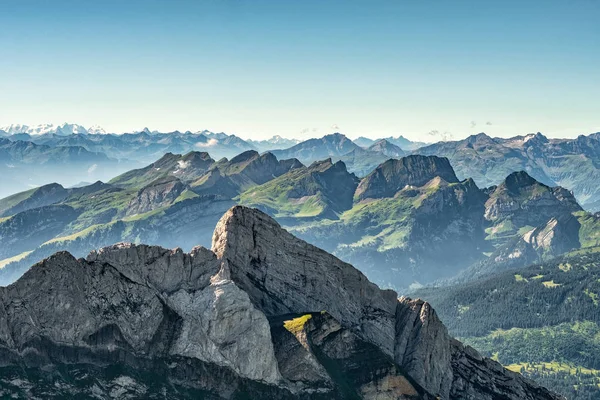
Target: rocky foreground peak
[{"x": 262, "y": 315}]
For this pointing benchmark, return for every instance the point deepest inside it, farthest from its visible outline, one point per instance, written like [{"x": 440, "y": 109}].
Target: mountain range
[
  {"x": 261, "y": 315},
  {"x": 24, "y": 165},
  {"x": 407, "y": 223},
  {"x": 570, "y": 163},
  {"x": 510, "y": 265}
]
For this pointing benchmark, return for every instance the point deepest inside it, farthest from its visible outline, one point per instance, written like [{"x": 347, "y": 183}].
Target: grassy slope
[
  {"x": 15, "y": 199},
  {"x": 279, "y": 195}
]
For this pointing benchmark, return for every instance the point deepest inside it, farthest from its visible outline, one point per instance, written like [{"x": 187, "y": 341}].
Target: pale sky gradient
[{"x": 302, "y": 68}]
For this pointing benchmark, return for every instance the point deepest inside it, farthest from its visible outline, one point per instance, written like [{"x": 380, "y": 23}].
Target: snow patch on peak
[{"x": 63, "y": 129}]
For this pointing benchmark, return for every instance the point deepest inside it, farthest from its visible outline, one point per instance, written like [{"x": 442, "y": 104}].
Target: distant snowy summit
[{"x": 64, "y": 129}]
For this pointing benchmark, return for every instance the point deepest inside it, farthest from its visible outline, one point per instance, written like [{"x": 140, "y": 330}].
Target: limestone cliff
[{"x": 264, "y": 315}]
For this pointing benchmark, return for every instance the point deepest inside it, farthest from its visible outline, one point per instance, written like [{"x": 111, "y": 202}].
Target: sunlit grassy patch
[
  {"x": 550, "y": 284},
  {"x": 297, "y": 324},
  {"x": 16, "y": 258},
  {"x": 520, "y": 278}
]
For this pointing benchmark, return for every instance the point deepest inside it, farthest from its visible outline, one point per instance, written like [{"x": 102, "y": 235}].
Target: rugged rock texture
[
  {"x": 160, "y": 193},
  {"x": 210, "y": 323},
  {"x": 422, "y": 345},
  {"x": 528, "y": 202},
  {"x": 393, "y": 175},
  {"x": 275, "y": 268},
  {"x": 184, "y": 224}
]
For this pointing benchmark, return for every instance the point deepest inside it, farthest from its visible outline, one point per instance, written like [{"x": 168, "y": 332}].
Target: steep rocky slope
[
  {"x": 210, "y": 323},
  {"x": 155, "y": 204},
  {"x": 393, "y": 175}
]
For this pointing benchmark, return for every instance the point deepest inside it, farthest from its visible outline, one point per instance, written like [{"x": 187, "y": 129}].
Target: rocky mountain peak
[
  {"x": 245, "y": 156},
  {"x": 263, "y": 314},
  {"x": 383, "y": 146},
  {"x": 394, "y": 174},
  {"x": 480, "y": 138},
  {"x": 517, "y": 180}
]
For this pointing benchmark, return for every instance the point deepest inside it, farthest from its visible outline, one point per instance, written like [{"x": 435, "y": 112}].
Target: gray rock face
[
  {"x": 275, "y": 269},
  {"x": 211, "y": 324},
  {"x": 284, "y": 275},
  {"x": 393, "y": 175},
  {"x": 422, "y": 345},
  {"x": 160, "y": 193},
  {"x": 528, "y": 202}
]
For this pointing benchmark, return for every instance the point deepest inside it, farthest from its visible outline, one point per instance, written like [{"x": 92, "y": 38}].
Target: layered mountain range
[
  {"x": 24, "y": 164},
  {"x": 410, "y": 221},
  {"x": 570, "y": 163},
  {"x": 261, "y": 315},
  {"x": 466, "y": 218}
]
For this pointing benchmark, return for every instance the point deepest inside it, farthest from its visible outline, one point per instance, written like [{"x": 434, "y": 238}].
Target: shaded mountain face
[
  {"x": 409, "y": 222},
  {"x": 570, "y": 163},
  {"x": 37, "y": 197},
  {"x": 521, "y": 201},
  {"x": 334, "y": 145},
  {"x": 529, "y": 222},
  {"x": 225, "y": 323},
  {"x": 543, "y": 320},
  {"x": 185, "y": 167}
]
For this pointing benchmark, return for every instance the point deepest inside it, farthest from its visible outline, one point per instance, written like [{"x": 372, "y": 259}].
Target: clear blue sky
[{"x": 304, "y": 68}]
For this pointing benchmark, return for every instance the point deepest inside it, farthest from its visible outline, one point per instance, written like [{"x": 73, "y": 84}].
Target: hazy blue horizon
[{"x": 304, "y": 69}]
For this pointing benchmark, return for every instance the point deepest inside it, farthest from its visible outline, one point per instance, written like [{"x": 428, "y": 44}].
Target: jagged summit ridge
[
  {"x": 394, "y": 174},
  {"x": 212, "y": 315}
]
